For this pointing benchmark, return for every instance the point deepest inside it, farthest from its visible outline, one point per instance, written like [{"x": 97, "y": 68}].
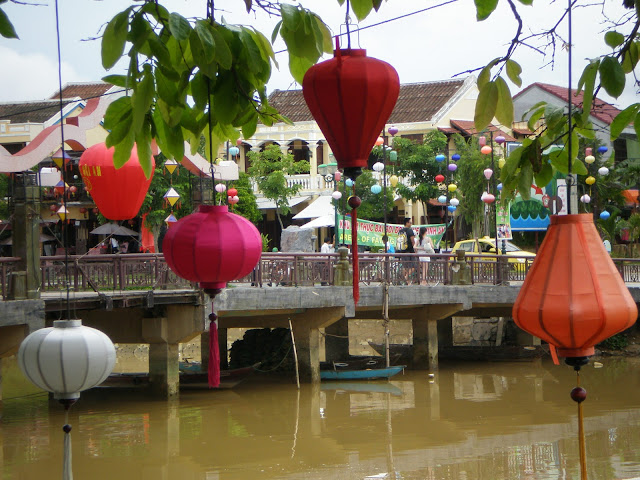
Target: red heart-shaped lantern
[{"x": 118, "y": 193}]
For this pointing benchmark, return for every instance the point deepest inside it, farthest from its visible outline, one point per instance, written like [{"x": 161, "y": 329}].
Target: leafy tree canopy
[{"x": 372, "y": 206}]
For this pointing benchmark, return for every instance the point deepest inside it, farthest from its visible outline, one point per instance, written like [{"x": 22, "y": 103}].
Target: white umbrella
[
  {"x": 114, "y": 229},
  {"x": 323, "y": 221}
]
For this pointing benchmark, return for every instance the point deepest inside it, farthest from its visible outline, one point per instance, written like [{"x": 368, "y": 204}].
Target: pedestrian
[
  {"x": 327, "y": 246},
  {"x": 424, "y": 248},
  {"x": 389, "y": 246},
  {"x": 405, "y": 243}
]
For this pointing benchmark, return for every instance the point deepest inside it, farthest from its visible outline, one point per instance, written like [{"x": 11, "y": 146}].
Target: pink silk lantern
[{"x": 212, "y": 247}]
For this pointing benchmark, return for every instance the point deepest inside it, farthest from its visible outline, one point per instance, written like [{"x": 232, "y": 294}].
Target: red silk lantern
[
  {"x": 351, "y": 97},
  {"x": 439, "y": 178},
  {"x": 232, "y": 192},
  {"x": 573, "y": 297},
  {"x": 118, "y": 193}
]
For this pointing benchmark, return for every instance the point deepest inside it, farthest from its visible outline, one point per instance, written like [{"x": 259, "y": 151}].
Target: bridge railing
[{"x": 150, "y": 271}]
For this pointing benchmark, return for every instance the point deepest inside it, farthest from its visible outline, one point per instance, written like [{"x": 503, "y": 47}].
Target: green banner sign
[{"x": 370, "y": 233}]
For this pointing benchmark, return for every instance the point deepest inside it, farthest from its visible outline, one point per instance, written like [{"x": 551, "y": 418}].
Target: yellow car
[{"x": 487, "y": 246}]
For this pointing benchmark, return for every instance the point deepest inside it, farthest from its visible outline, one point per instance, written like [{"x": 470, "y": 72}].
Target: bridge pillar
[
  {"x": 336, "y": 341},
  {"x": 425, "y": 334},
  {"x": 164, "y": 369}
]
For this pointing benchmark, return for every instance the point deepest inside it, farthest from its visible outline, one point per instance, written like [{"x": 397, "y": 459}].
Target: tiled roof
[
  {"x": 467, "y": 127},
  {"x": 33, "y": 112},
  {"x": 600, "y": 109},
  {"x": 417, "y": 102},
  {"x": 84, "y": 90}
]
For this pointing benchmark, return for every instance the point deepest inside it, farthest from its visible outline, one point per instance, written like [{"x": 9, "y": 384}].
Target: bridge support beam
[
  {"x": 164, "y": 369},
  {"x": 425, "y": 334},
  {"x": 336, "y": 341}
]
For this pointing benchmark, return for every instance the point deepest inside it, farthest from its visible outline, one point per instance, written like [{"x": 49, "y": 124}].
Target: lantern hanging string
[
  {"x": 210, "y": 9},
  {"x": 346, "y": 21},
  {"x": 213, "y": 367},
  {"x": 354, "y": 250}
]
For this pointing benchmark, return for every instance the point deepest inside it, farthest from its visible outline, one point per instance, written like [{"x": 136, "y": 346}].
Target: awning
[
  {"x": 324, "y": 221},
  {"x": 320, "y": 207},
  {"x": 266, "y": 204}
]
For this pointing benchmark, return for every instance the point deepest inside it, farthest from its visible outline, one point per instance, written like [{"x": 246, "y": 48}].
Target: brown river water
[{"x": 470, "y": 421}]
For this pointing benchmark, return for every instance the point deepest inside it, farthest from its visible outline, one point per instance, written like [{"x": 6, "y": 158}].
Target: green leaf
[
  {"x": 578, "y": 167},
  {"x": 484, "y": 8},
  {"x": 276, "y": 29},
  {"x": 535, "y": 116},
  {"x": 327, "y": 41},
  {"x": 123, "y": 149},
  {"x": 513, "y": 72},
  {"x": 204, "y": 33},
  {"x": 526, "y": 2},
  {"x": 225, "y": 99},
  {"x": 631, "y": 56},
  {"x": 167, "y": 86},
  {"x": 559, "y": 160},
  {"x": 486, "y": 105},
  {"x": 588, "y": 79},
  {"x": 199, "y": 91},
  {"x": 140, "y": 31},
  {"x": 143, "y": 146},
  {"x": 170, "y": 113},
  {"x": 613, "y": 38},
  {"x": 179, "y": 26},
  {"x": 361, "y": 8},
  {"x": 114, "y": 38},
  {"x": 6, "y": 27},
  {"x": 636, "y": 125},
  {"x": 117, "y": 80},
  {"x": 142, "y": 98},
  {"x": 249, "y": 127},
  {"x": 544, "y": 176},
  {"x": 222, "y": 52},
  {"x": 291, "y": 17},
  {"x": 159, "y": 50},
  {"x": 298, "y": 66},
  {"x": 612, "y": 76},
  {"x": 247, "y": 4},
  {"x": 623, "y": 119},
  {"x": 485, "y": 73},
  {"x": 504, "y": 106},
  {"x": 554, "y": 117},
  {"x": 525, "y": 179}
]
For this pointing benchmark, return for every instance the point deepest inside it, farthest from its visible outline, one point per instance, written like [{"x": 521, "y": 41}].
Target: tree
[
  {"x": 269, "y": 170},
  {"x": 247, "y": 206},
  {"x": 372, "y": 206},
  {"x": 471, "y": 181},
  {"x": 417, "y": 164}
]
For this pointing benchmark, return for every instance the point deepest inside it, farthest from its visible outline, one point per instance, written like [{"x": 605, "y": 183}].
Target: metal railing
[{"x": 150, "y": 271}]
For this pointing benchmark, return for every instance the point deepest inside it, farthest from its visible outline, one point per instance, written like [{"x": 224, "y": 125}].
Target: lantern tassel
[
  {"x": 67, "y": 470},
  {"x": 578, "y": 395},
  {"x": 354, "y": 252},
  {"x": 213, "y": 369}
]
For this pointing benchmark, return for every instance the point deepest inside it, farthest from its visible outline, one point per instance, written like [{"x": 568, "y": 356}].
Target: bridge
[{"x": 135, "y": 298}]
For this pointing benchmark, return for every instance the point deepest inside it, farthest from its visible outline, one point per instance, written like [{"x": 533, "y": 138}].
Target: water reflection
[{"x": 485, "y": 421}]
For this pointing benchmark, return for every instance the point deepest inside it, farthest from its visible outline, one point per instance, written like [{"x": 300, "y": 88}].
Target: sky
[{"x": 433, "y": 45}]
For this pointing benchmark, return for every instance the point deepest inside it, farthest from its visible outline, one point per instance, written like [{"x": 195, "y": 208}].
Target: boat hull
[{"x": 368, "y": 374}]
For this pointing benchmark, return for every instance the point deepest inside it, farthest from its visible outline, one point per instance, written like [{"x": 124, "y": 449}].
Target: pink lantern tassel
[{"x": 213, "y": 369}]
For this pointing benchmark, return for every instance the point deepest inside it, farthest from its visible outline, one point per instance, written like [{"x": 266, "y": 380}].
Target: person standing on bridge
[
  {"x": 405, "y": 243},
  {"x": 424, "y": 248}
]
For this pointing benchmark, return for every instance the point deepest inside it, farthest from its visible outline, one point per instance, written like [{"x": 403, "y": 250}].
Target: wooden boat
[
  {"x": 514, "y": 353},
  {"x": 367, "y": 368},
  {"x": 188, "y": 380}
]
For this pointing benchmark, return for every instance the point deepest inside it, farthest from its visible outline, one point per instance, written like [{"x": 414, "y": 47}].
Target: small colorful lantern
[
  {"x": 501, "y": 163},
  {"x": 337, "y": 176},
  {"x": 393, "y": 156},
  {"x": 585, "y": 198},
  {"x": 376, "y": 189},
  {"x": 351, "y": 97},
  {"x": 455, "y": 202},
  {"x": 603, "y": 149},
  {"x": 452, "y": 187},
  {"x": 348, "y": 182},
  {"x": 487, "y": 173},
  {"x": 590, "y": 180},
  {"x": 393, "y": 131},
  {"x": 442, "y": 199},
  {"x": 588, "y": 151},
  {"x": 440, "y": 158},
  {"x": 172, "y": 196},
  {"x": 500, "y": 139},
  {"x": 482, "y": 140},
  {"x": 603, "y": 171},
  {"x": 589, "y": 159},
  {"x": 239, "y": 142},
  {"x": 452, "y": 167},
  {"x": 488, "y": 198},
  {"x": 170, "y": 220},
  {"x": 604, "y": 215},
  {"x": 378, "y": 167},
  {"x": 170, "y": 165},
  {"x": 451, "y": 208},
  {"x": 336, "y": 195},
  {"x": 455, "y": 157},
  {"x": 379, "y": 141},
  {"x": 499, "y": 187},
  {"x": 62, "y": 213},
  {"x": 60, "y": 157},
  {"x": 439, "y": 178},
  {"x": 233, "y": 199},
  {"x": 118, "y": 193},
  {"x": 95, "y": 211},
  {"x": 60, "y": 188},
  {"x": 393, "y": 180},
  {"x": 220, "y": 187},
  {"x": 53, "y": 207},
  {"x": 486, "y": 150},
  {"x": 232, "y": 192},
  {"x": 73, "y": 189}
]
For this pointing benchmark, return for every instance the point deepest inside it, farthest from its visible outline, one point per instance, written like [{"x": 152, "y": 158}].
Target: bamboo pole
[{"x": 295, "y": 353}]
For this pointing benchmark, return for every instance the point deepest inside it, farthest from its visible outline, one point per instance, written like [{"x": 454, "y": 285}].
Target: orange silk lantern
[
  {"x": 118, "y": 193},
  {"x": 574, "y": 297}
]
